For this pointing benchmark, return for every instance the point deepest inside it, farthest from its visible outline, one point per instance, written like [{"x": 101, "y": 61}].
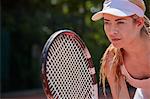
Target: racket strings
[{"x": 67, "y": 65}]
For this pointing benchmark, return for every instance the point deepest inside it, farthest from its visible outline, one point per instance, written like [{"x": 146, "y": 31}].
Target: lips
[{"x": 115, "y": 39}]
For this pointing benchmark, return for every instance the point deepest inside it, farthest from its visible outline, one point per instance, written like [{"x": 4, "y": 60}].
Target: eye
[
  {"x": 120, "y": 22},
  {"x": 106, "y": 22}
]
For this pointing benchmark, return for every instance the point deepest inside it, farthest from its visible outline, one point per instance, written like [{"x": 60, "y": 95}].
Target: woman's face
[{"x": 121, "y": 31}]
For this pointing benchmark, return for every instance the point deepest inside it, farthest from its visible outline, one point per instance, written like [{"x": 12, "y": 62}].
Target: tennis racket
[{"x": 67, "y": 68}]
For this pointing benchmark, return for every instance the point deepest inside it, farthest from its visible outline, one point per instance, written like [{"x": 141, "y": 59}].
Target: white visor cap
[{"x": 120, "y": 8}]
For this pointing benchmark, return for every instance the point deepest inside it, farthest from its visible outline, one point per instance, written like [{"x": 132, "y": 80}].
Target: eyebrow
[{"x": 116, "y": 19}]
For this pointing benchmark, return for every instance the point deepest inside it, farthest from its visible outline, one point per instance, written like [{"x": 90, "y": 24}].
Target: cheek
[
  {"x": 107, "y": 31},
  {"x": 128, "y": 32},
  {"x": 128, "y": 37},
  {"x": 107, "y": 28}
]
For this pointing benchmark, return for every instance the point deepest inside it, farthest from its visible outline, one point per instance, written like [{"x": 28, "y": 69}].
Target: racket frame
[{"x": 44, "y": 54}]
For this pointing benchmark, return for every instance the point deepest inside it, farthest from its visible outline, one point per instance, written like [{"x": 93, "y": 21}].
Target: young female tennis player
[{"x": 127, "y": 59}]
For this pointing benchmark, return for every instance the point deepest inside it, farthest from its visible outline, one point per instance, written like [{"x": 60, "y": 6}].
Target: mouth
[{"x": 115, "y": 39}]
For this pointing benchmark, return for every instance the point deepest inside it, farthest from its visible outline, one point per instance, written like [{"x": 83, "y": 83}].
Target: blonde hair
[{"x": 114, "y": 56}]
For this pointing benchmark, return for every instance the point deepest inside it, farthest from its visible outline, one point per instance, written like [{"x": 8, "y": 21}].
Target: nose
[{"x": 113, "y": 30}]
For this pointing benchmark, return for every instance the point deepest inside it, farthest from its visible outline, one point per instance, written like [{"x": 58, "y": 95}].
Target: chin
[{"x": 117, "y": 45}]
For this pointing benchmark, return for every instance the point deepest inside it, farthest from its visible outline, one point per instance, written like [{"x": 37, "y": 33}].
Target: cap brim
[{"x": 112, "y": 11}]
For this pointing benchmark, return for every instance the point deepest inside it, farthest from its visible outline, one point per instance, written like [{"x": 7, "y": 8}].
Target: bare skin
[{"x": 122, "y": 32}]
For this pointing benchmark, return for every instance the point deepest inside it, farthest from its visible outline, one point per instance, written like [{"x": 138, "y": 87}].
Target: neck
[
  {"x": 138, "y": 49},
  {"x": 136, "y": 58}
]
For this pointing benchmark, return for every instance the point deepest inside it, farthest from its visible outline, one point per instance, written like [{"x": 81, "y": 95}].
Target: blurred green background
[{"x": 27, "y": 24}]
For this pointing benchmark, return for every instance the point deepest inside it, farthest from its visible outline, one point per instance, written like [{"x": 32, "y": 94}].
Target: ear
[{"x": 140, "y": 22}]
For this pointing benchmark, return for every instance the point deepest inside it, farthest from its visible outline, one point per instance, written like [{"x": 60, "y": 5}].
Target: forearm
[
  {"x": 114, "y": 88},
  {"x": 118, "y": 91}
]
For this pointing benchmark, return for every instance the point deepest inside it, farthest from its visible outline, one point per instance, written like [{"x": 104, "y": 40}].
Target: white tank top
[{"x": 143, "y": 86}]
